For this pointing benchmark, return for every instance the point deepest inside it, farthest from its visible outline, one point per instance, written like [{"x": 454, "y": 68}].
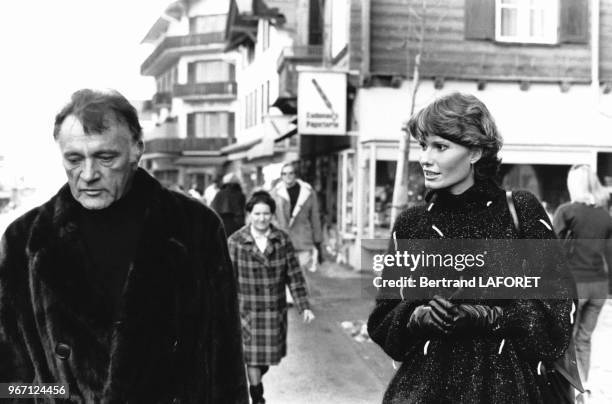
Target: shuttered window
[{"x": 527, "y": 21}]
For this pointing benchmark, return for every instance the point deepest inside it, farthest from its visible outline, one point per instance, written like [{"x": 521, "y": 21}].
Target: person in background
[
  {"x": 585, "y": 227},
  {"x": 211, "y": 190},
  {"x": 117, "y": 288},
  {"x": 265, "y": 262},
  {"x": 194, "y": 193},
  {"x": 229, "y": 203},
  {"x": 298, "y": 214}
]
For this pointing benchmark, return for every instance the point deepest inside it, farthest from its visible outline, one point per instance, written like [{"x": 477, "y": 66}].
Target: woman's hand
[
  {"x": 477, "y": 318},
  {"x": 308, "y": 316}
]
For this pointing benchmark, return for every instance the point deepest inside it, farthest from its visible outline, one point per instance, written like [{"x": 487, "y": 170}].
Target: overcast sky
[{"x": 51, "y": 48}]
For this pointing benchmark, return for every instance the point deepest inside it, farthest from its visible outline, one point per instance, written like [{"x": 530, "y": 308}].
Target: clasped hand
[{"x": 440, "y": 316}]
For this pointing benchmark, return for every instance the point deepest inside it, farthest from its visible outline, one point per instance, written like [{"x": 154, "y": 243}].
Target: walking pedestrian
[
  {"x": 264, "y": 259},
  {"x": 477, "y": 350},
  {"x": 229, "y": 203},
  {"x": 586, "y": 229},
  {"x": 298, "y": 215}
]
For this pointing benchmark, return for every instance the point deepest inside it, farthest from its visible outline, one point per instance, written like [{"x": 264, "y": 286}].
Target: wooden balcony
[
  {"x": 170, "y": 48},
  {"x": 287, "y": 63},
  {"x": 179, "y": 145},
  {"x": 223, "y": 90}
]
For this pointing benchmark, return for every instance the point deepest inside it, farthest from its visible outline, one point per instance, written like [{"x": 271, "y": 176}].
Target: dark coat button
[{"x": 63, "y": 351}]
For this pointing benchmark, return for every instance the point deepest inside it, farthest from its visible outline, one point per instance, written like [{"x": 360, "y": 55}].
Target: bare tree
[{"x": 416, "y": 34}]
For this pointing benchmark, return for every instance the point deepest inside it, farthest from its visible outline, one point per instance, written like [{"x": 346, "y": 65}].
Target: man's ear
[
  {"x": 475, "y": 154},
  {"x": 136, "y": 151}
]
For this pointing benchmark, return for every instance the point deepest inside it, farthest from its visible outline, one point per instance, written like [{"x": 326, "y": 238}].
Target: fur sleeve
[
  {"x": 15, "y": 365},
  {"x": 228, "y": 376}
]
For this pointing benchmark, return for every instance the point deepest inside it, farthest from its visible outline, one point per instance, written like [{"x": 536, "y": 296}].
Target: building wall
[
  {"x": 543, "y": 116},
  {"x": 208, "y": 7},
  {"x": 252, "y": 76},
  {"x": 448, "y": 54}
]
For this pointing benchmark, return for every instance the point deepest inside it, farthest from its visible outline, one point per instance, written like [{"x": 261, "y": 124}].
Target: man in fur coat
[
  {"x": 298, "y": 213},
  {"x": 117, "y": 288}
]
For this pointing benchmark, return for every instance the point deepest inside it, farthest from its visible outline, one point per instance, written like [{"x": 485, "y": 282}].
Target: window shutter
[
  {"x": 480, "y": 19},
  {"x": 191, "y": 125},
  {"x": 232, "y": 72},
  {"x": 191, "y": 69},
  {"x": 574, "y": 21},
  {"x": 230, "y": 125}
]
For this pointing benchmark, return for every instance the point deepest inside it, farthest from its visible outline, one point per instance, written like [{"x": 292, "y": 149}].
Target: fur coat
[
  {"x": 177, "y": 336},
  {"x": 304, "y": 223},
  {"x": 476, "y": 368}
]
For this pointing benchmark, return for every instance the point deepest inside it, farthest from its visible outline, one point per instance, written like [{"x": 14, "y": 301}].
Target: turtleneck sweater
[{"x": 111, "y": 236}]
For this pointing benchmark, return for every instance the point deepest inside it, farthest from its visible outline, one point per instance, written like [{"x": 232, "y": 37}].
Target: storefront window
[{"x": 346, "y": 192}]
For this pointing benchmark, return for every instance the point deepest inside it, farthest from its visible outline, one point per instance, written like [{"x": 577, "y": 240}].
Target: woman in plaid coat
[{"x": 264, "y": 260}]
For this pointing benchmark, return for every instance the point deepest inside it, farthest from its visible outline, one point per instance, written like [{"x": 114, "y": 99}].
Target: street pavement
[
  {"x": 329, "y": 362},
  {"x": 325, "y": 363}
]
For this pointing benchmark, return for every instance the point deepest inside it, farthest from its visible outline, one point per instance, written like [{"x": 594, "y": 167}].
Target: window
[
  {"x": 339, "y": 26},
  {"x": 530, "y": 21},
  {"x": 210, "y": 71},
  {"x": 204, "y": 24},
  {"x": 210, "y": 124}
]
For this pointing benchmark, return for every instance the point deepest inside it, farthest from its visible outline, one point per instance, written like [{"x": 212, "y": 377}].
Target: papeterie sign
[{"x": 322, "y": 103}]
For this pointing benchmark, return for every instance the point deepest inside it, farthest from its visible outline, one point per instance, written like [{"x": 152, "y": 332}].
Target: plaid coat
[{"x": 261, "y": 293}]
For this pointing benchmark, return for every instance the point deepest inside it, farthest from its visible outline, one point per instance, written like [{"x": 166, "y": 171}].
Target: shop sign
[{"x": 322, "y": 103}]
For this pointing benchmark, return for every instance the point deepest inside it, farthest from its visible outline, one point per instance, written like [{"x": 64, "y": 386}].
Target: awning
[
  {"x": 200, "y": 161},
  {"x": 283, "y": 126},
  {"x": 240, "y": 146}
]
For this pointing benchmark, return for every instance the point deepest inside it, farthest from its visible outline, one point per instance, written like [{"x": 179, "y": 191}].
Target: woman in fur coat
[
  {"x": 265, "y": 262},
  {"x": 476, "y": 350}
]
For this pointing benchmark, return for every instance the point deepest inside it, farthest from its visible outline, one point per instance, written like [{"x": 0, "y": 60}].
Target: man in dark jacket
[{"x": 116, "y": 288}]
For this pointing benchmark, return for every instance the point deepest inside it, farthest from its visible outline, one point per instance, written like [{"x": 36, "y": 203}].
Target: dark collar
[{"x": 481, "y": 192}]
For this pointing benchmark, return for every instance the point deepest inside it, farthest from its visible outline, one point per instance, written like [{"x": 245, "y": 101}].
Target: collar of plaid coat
[{"x": 244, "y": 235}]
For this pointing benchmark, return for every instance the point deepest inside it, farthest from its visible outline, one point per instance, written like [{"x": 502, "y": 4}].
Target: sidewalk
[
  {"x": 324, "y": 363},
  {"x": 600, "y": 376}
]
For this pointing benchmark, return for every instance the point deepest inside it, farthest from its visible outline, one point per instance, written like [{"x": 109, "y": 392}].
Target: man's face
[
  {"x": 100, "y": 166},
  {"x": 288, "y": 175}
]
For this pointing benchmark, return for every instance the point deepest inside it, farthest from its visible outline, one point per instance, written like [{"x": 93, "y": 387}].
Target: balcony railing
[
  {"x": 310, "y": 55},
  {"x": 178, "y": 42},
  {"x": 226, "y": 89},
  {"x": 176, "y": 146}
]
